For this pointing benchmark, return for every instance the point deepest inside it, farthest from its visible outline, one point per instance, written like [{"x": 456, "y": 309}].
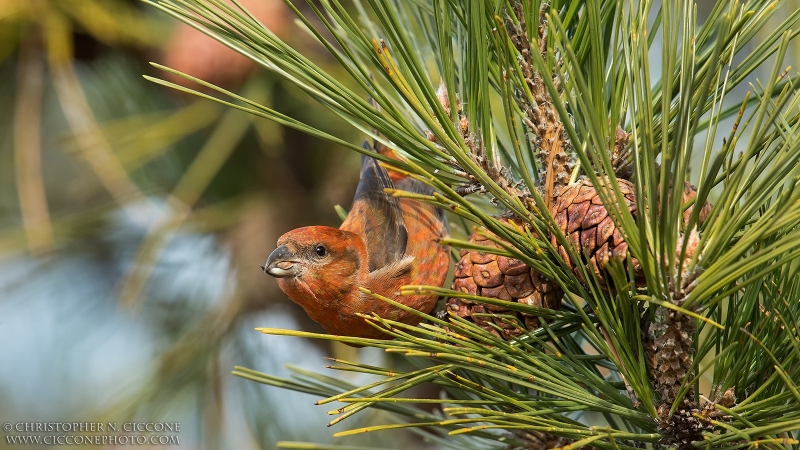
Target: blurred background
[{"x": 133, "y": 219}]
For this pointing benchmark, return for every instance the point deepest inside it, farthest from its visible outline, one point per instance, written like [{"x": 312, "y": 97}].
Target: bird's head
[
  {"x": 321, "y": 268},
  {"x": 317, "y": 256}
]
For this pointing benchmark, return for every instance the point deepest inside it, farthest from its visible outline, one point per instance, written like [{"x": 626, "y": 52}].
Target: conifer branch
[{"x": 584, "y": 297}]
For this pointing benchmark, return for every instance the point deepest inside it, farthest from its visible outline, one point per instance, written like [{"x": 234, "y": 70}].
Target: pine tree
[{"x": 559, "y": 114}]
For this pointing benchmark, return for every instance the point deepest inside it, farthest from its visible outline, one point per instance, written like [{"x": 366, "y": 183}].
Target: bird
[{"x": 385, "y": 242}]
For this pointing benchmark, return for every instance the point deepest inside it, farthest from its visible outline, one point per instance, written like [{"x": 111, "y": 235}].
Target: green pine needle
[{"x": 584, "y": 375}]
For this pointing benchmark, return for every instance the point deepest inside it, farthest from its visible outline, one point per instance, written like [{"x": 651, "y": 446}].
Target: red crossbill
[{"x": 383, "y": 244}]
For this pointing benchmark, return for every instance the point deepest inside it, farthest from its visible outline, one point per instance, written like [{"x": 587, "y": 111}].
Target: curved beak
[{"x": 280, "y": 263}]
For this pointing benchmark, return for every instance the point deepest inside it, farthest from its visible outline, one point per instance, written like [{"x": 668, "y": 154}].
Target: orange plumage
[{"x": 383, "y": 244}]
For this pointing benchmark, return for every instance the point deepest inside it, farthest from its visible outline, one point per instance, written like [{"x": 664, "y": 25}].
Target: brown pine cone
[
  {"x": 580, "y": 214},
  {"x": 503, "y": 278},
  {"x": 689, "y": 193}
]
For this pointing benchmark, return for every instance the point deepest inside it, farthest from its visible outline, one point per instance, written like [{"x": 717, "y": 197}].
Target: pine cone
[
  {"x": 689, "y": 193},
  {"x": 504, "y": 278},
  {"x": 672, "y": 334},
  {"x": 580, "y": 214}
]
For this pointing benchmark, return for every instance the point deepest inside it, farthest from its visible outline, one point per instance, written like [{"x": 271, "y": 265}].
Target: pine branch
[{"x": 660, "y": 288}]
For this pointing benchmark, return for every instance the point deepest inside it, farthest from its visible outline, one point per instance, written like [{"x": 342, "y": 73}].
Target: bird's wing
[
  {"x": 411, "y": 185},
  {"x": 376, "y": 216}
]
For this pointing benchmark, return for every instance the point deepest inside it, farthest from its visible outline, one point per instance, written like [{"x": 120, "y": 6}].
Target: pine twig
[{"x": 542, "y": 118}]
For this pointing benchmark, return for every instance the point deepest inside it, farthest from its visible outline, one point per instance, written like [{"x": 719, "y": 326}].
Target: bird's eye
[{"x": 321, "y": 250}]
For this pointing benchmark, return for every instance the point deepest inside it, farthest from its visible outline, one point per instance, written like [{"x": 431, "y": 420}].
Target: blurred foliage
[{"x": 132, "y": 223}]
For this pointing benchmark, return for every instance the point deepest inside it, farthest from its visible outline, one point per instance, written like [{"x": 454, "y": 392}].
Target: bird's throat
[{"x": 325, "y": 303}]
